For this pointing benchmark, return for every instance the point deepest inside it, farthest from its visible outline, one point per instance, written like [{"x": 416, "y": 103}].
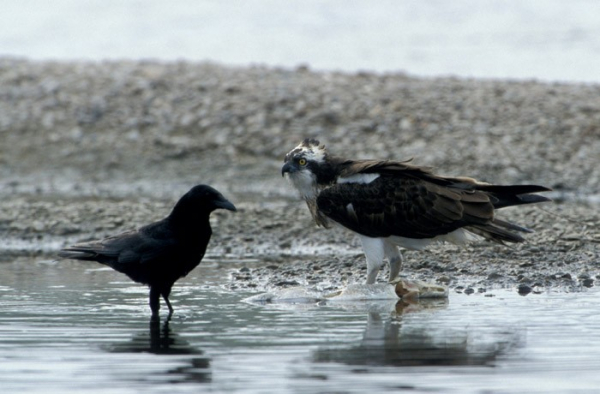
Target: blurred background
[{"x": 548, "y": 40}]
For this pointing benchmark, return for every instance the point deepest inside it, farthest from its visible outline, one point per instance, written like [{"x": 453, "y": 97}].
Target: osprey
[{"x": 391, "y": 204}]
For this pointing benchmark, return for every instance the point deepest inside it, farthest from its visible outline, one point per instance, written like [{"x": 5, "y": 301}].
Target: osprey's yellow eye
[{"x": 302, "y": 162}]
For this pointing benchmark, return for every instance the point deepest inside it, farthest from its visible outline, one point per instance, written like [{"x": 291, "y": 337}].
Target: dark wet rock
[
  {"x": 587, "y": 282},
  {"x": 523, "y": 289},
  {"x": 287, "y": 283},
  {"x": 494, "y": 276},
  {"x": 469, "y": 290}
]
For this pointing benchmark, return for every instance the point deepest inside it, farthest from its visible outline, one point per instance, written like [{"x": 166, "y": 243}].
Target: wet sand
[{"x": 91, "y": 149}]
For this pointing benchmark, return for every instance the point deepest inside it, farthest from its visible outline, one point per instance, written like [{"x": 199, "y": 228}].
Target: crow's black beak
[
  {"x": 289, "y": 168},
  {"x": 225, "y": 204}
]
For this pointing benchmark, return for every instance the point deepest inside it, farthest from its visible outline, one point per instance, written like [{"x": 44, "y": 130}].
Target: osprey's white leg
[
  {"x": 374, "y": 252},
  {"x": 394, "y": 257}
]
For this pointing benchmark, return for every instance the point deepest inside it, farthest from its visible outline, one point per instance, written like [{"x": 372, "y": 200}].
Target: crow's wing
[{"x": 149, "y": 243}]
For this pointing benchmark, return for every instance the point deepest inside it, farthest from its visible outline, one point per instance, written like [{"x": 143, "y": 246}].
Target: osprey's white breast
[{"x": 358, "y": 178}]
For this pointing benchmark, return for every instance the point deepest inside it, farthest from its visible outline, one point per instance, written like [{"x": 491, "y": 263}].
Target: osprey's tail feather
[
  {"x": 500, "y": 231},
  {"x": 507, "y": 196}
]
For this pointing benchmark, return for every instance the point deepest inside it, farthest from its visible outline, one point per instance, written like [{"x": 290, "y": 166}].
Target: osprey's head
[{"x": 306, "y": 166}]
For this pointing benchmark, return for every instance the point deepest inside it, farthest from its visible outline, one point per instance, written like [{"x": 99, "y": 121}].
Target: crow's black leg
[
  {"x": 165, "y": 295},
  {"x": 154, "y": 301},
  {"x": 168, "y": 306}
]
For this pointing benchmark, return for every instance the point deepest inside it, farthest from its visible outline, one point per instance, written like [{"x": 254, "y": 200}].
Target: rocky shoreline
[{"x": 91, "y": 149}]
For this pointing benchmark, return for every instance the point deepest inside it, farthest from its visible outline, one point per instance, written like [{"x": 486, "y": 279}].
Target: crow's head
[
  {"x": 307, "y": 167},
  {"x": 209, "y": 197},
  {"x": 199, "y": 202}
]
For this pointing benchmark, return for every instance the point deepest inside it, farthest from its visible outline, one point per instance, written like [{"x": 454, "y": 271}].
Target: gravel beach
[{"x": 91, "y": 149}]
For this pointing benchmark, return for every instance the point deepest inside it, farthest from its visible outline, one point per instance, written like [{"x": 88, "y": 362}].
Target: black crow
[{"x": 162, "y": 252}]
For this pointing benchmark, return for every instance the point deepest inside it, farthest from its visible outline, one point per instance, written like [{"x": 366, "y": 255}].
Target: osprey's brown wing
[
  {"x": 409, "y": 201},
  {"x": 404, "y": 207}
]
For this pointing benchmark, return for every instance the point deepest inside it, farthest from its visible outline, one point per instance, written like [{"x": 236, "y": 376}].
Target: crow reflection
[
  {"x": 387, "y": 340},
  {"x": 161, "y": 340}
]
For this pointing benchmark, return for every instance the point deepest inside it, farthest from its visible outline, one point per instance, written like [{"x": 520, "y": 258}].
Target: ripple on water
[{"x": 66, "y": 329}]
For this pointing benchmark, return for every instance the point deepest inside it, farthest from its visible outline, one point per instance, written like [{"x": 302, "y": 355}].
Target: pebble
[
  {"x": 588, "y": 282},
  {"x": 523, "y": 289},
  {"x": 287, "y": 283}
]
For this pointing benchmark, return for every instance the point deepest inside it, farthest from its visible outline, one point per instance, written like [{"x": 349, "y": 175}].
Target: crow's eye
[{"x": 302, "y": 162}]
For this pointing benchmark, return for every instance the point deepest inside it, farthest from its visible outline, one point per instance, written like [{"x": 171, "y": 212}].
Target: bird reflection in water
[
  {"x": 162, "y": 340},
  {"x": 390, "y": 341}
]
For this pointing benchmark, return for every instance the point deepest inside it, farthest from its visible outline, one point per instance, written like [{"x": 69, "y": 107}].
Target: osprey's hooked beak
[{"x": 289, "y": 168}]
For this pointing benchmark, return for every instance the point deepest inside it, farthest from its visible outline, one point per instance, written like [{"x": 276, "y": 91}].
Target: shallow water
[{"x": 68, "y": 327}]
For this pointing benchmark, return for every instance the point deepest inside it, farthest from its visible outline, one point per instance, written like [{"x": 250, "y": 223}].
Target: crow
[{"x": 160, "y": 253}]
